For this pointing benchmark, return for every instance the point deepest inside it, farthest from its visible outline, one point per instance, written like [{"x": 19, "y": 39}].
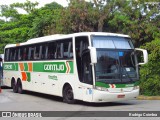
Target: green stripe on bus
[
  {"x": 28, "y": 76},
  {"x": 25, "y": 66},
  {"x": 54, "y": 67},
  {"x": 10, "y": 66},
  {"x": 102, "y": 84},
  {"x": 71, "y": 66}
]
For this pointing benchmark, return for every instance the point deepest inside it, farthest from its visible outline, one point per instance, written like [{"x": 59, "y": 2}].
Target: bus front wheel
[{"x": 68, "y": 95}]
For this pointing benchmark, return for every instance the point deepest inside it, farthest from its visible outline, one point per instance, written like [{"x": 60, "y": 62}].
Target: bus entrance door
[{"x": 87, "y": 79}]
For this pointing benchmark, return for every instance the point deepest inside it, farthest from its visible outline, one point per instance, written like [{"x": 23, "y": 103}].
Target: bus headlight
[{"x": 101, "y": 88}]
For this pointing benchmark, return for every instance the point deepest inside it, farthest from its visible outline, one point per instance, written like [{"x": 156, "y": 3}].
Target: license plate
[{"x": 120, "y": 96}]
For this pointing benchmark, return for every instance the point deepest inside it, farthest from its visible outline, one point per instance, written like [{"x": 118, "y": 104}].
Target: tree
[
  {"x": 8, "y": 12},
  {"x": 104, "y": 9},
  {"x": 88, "y": 16},
  {"x": 17, "y": 26},
  {"x": 78, "y": 16},
  {"x": 28, "y": 6},
  {"x": 150, "y": 77},
  {"x": 134, "y": 18},
  {"x": 46, "y": 20}
]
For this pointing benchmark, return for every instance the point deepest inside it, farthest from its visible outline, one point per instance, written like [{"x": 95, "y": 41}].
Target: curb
[{"x": 141, "y": 97}]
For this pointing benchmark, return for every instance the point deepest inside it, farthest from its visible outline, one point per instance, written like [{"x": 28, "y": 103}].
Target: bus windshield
[{"x": 116, "y": 63}]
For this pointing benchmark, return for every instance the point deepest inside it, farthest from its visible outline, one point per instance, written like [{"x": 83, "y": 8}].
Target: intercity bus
[{"x": 87, "y": 66}]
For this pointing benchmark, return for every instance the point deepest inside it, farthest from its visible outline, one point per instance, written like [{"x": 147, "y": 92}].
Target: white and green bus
[{"x": 87, "y": 66}]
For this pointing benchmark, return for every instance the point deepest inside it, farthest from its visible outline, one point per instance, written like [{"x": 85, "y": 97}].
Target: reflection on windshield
[{"x": 115, "y": 66}]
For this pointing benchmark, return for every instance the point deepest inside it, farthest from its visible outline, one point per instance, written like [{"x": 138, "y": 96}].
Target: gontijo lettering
[{"x": 54, "y": 67}]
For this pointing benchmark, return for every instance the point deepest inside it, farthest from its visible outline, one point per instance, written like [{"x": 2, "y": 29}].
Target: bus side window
[
  {"x": 15, "y": 57},
  {"x": 48, "y": 51},
  {"x": 67, "y": 50},
  {"x": 7, "y": 55},
  {"x": 51, "y": 50},
  {"x": 11, "y": 54},
  {"x": 37, "y": 52},
  {"x": 31, "y": 53},
  {"x": 25, "y": 53},
  {"x": 20, "y": 53},
  {"x": 70, "y": 50},
  {"x": 40, "y": 52},
  {"x": 59, "y": 50},
  {"x": 43, "y": 52}
]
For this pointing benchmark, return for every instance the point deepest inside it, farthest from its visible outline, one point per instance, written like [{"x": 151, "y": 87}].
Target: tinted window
[
  {"x": 112, "y": 42},
  {"x": 61, "y": 49}
]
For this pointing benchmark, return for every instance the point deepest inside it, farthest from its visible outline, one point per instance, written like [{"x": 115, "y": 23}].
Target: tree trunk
[{"x": 100, "y": 27}]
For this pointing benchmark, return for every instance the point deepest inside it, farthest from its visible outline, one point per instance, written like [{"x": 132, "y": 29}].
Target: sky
[{"x": 41, "y": 2}]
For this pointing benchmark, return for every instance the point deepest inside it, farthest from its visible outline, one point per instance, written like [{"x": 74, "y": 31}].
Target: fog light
[{"x": 102, "y": 88}]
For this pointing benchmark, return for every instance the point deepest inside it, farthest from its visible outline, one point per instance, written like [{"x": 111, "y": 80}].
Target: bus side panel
[
  {"x": 8, "y": 75},
  {"x": 44, "y": 83}
]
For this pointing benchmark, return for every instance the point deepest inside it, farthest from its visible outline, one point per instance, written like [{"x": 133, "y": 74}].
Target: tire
[
  {"x": 19, "y": 88},
  {"x": 68, "y": 95},
  {"x": 14, "y": 86}
]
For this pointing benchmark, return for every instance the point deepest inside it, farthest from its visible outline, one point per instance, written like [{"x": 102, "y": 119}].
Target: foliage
[
  {"x": 150, "y": 77},
  {"x": 45, "y": 22},
  {"x": 130, "y": 19},
  {"x": 28, "y": 6},
  {"x": 17, "y": 26},
  {"x": 78, "y": 16}
]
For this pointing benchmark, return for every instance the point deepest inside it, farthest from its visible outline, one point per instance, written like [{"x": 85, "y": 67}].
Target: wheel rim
[
  {"x": 69, "y": 94},
  {"x": 14, "y": 87},
  {"x": 19, "y": 88}
]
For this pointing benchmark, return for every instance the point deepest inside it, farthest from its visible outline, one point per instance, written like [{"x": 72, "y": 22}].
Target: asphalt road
[{"x": 31, "y": 101}]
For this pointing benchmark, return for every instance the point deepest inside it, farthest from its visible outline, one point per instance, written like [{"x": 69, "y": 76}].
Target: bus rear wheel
[
  {"x": 68, "y": 95},
  {"x": 14, "y": 86},
  {"x": 19, "y": 87}
]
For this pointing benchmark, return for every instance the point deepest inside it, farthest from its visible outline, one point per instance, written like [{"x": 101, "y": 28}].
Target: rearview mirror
[
  {"x": 93, "y": 54},
  {"x": 145, "y": 56}
]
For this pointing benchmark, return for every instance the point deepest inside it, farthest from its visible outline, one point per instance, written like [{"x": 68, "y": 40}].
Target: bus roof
[{"x": 64, "y": 36}]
